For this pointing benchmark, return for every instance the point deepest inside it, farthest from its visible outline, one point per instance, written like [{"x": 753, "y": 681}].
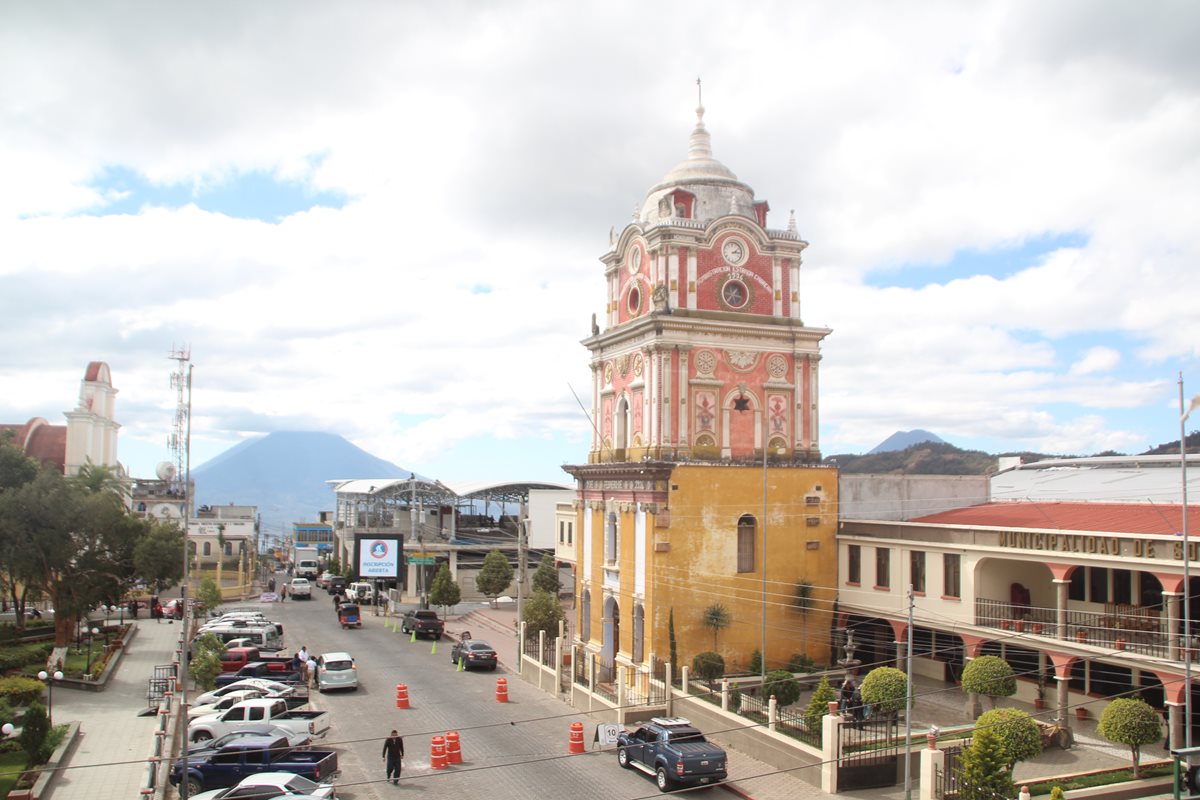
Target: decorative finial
[
  {"x": 699, "y": 93},
  {"x": 792, "y": 221},
  {"x": 636, "y": 210}
]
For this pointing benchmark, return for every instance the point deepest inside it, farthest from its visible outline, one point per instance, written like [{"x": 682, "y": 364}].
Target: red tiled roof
[
  {"x": 1132, "y": 518},
  {"x": 41, "y": 440}
]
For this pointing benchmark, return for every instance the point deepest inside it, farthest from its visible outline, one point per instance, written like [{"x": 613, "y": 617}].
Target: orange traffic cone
[
  {"x": 402, "y": 695},
  {"x": 437, "y": 753},
  {"x": 576, "y": 740},
  {"x": 453, "y": 748},
  {"x": 501, "y": 690}
]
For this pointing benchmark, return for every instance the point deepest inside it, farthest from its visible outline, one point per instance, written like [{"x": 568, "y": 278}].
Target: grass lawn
[{"x": 11, "y": 766}]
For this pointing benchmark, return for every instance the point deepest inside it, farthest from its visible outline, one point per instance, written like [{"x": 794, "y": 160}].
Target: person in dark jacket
[{"x": 393, "y": 753}]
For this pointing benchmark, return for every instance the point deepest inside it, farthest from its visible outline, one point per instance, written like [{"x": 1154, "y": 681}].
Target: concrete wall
[{"x": 904, "y": 497}]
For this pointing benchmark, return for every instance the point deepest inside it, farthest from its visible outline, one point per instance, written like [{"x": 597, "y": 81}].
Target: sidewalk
[{"x": 108, "y": 759}]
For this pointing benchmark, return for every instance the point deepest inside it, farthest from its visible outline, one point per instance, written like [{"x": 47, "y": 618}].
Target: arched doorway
[
  {"x": 612, "y": 638},
  {"x": 621, "y": 427}
]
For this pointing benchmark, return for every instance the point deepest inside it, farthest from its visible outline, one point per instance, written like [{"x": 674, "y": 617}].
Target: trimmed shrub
[
  {"x": 783, "y": 685},
  {"x": 990, "y": 676},
  {"x": 818, "y": 706},
  {"x": 35, "y": 727},
  {"x": 885, "y": 689},
  {"x": 984, "y": 775},
  {"x": 14, "y": 657},
  {"x": 755, "y": 667},
  {"x": 1133, "y": 722},
  {"x": 1019, "y": 736},
  {"x": 735, "y": 698},
  {"x": 708, "y": 666},
  {"x": 21, "y": 691},
  {"x": 801, "y": 663}
]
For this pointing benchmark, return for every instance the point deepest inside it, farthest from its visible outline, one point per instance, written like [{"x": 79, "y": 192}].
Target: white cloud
[{"x": 496, "y": 146}]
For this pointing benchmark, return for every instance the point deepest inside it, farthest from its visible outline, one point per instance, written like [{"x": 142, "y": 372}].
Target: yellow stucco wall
[{"x": 690, "y": 553}]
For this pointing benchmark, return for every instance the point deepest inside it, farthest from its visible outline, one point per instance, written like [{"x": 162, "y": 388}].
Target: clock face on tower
[{"x": 734, "y": 251}]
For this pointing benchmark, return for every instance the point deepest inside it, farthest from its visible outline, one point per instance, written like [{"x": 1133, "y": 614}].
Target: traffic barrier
[
  {"x": 453, "y": 748},
  {"x": 437, "y": 753},
  {"x": 576, "y": 741},
  {"x": 501, "y": 690},
  {"x": 402, "y": 695}
]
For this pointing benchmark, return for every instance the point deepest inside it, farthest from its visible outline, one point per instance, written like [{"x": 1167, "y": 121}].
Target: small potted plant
[
  {"x": 1037, "y": 627},
  {"x": 1120, "y": 643},
  {"x": 1005, "y": 624},
  {"x": 1081, "y": 635},
  {"x": 1081, "y": 713},
  {"x": 1039, "y": 702},
  {"x": 1019, "y": 625}
]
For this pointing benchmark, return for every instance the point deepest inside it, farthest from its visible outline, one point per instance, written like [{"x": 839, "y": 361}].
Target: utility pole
[
  {"x": 522, "y": 531},
  {"x": 908, "y": 701},
  {"x": 183, "y": 382}
]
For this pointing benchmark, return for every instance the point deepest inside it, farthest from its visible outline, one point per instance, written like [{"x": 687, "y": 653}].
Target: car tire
[
  {"x": 201, "y": 736},
  {"x": 623, "y": 758},
  {"x": 195, "y": 786},
  {"x": 492, "y": 668},
  {"x": 663, "y": 780}
]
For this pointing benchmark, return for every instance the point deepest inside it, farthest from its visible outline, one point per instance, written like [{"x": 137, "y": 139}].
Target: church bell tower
[{"x": 703, "y": 355}]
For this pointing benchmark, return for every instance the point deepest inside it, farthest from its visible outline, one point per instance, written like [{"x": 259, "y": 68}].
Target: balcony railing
[{"x": 1119, "y": 627}]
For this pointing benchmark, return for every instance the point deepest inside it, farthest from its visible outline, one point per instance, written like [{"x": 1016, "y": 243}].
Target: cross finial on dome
[
  {"x": 699, "y": 93},
  {"x": 792, "y": 221}
]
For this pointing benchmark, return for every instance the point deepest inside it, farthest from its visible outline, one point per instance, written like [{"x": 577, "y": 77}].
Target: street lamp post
[
  {"x": 92, "y": 635},
  {"x": 49, "y": 678},
  {"x": 1184, "y": 413},
  {"x": 108, "y": 609}
]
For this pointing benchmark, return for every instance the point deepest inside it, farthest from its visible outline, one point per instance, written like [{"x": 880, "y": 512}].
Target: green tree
[
  {"x": 782, "y": 684},
  {"x": 545, "y": 577},
  {"x": 984, "y": 775},
  {"x": 818, "y": 705},
  {"x": 158, "y": 556},
  {"x": 885, "y": 689},
  {"x": 444, "y": 592},
  {"x": 35, "y": 728},
  {"x": 1131, "y": 721},
  {"x": 708, "y": 667},
  {"x": 495, "y": 576},
  {"x": 716, "y": 619},
  {"x": 1020, "y": 738},
  {"x": 990, "y": 676},
  {"x": 209, "y": 593},
  {"x": 803, "y": 602},
  {"x": 756, "y": 664},
  {"x": 543, "y": 612},
  {"x": 205, "y": 664}
]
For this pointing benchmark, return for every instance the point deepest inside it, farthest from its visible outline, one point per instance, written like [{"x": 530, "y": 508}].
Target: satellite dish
[{"x": 165, "y": 470}]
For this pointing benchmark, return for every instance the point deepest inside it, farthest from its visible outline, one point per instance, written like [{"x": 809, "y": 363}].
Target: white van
[
  {"x": 265, "y": 637},
  {"x": 308, "y": 568}
]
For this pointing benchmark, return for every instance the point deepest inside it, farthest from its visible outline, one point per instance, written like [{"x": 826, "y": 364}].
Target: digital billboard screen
[{"x": 378, "y": 558}]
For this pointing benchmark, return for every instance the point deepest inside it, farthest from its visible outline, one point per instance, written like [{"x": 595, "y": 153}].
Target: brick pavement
[{"x": 108, "y": 760}]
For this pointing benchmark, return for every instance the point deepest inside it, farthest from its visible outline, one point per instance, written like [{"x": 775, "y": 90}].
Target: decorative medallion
[
  {"x": 777, "y": 366},
  {"x": 608, "y": 374},
  {"x": 623, "y": 365},
  {"x": 706, "y": 362},
  {"x": 637, "y": 365},
  {"x": 734, "y": 251},
  {"x": 741, "y": 360}
]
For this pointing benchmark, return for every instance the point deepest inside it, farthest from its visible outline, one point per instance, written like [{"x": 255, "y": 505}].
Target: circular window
[
  {"x": 735, "y": 293},
  {"x": 635, "y": 300},
  {"x": 635, "y": 259}
]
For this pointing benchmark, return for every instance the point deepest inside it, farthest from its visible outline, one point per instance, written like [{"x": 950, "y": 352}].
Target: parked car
[
  {"x": 323, "y": 579},
  {"x": 475, "y": 653},
  {"x": 673, "y": 751},
  {"x": 280, "y": 670},
  {"x": 337, "y": 585},
  {"x": 297, "y": 741},
  {"x": 256, "y": 712},
  {"x": 272, "y": 784},
  {"x": 300, "y": 589},
  {"x": 268, "y": 687},
  {"x": 222, "y": 703},
  {"x": 235, "y": 762},
  {"x": 336, "y": 671},
  {"x": 424, "y": 623}
]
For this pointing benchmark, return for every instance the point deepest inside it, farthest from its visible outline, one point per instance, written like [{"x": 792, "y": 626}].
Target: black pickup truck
[
  {"x": 423, "y": 623},
  {"x": 674, "y": 752},
  {"x": 259, "y": 669},
  {"x": 229, "y": 765}
]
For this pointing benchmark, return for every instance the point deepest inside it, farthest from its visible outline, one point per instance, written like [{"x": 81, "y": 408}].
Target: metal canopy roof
[{"x": 438, "y": 492}]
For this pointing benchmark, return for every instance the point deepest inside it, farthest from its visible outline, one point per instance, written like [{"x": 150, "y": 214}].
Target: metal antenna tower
[{"x": 177, "y": 441}]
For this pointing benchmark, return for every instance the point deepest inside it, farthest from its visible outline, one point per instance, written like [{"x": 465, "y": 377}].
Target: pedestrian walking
[
  {"x": 283, "y": 593},
  {"x": 312, "y": 673},
  {"x": 393, "y": 753}
]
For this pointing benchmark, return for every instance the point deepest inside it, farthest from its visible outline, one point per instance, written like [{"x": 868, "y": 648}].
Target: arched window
[
  {"x": 585, "y": 616},
  {"x": 611, "y": 541},
  {"x": 142, "y": 508},
  {"x": 229, "y": 548},
  {"x": 745, "y": 543},
  {"x": 208, "y": 548}
]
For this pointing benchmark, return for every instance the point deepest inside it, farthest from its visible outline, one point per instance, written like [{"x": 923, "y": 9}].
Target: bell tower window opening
[
  {"x": 611, "y": 540},
  {"x": 746, "y": 531},
  {"x": 621, "y": 423}
]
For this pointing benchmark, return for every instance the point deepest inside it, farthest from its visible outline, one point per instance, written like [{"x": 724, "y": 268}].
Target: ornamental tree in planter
[
  {"x": 990, "y": 676},
  {"x": 1019, "y": 736},
  {"x": 885, "y": 689},
  {"x": 1131, "y": 721}
]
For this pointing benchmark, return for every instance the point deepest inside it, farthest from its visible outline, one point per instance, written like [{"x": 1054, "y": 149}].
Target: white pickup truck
[
  {"x": 263, "y": 711},
  {"x": 299, "y": 588}
]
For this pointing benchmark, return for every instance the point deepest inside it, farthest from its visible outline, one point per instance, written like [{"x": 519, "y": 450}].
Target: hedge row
[
  {"x": 15, "y": 657},
  {"x": 21, "y": 691}
]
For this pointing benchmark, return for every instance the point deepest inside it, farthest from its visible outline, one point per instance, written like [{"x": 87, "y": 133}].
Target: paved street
[{"x": 509, "y": 750}]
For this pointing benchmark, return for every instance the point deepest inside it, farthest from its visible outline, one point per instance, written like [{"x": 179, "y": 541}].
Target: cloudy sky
[{"x": 384, "y": 219}]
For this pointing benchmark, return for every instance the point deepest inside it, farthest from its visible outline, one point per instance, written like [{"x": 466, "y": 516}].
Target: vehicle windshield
[{"x": 302, "y": 785}]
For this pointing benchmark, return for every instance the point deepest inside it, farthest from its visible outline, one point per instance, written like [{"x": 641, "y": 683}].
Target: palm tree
[{"x": 716, "y": 617}]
